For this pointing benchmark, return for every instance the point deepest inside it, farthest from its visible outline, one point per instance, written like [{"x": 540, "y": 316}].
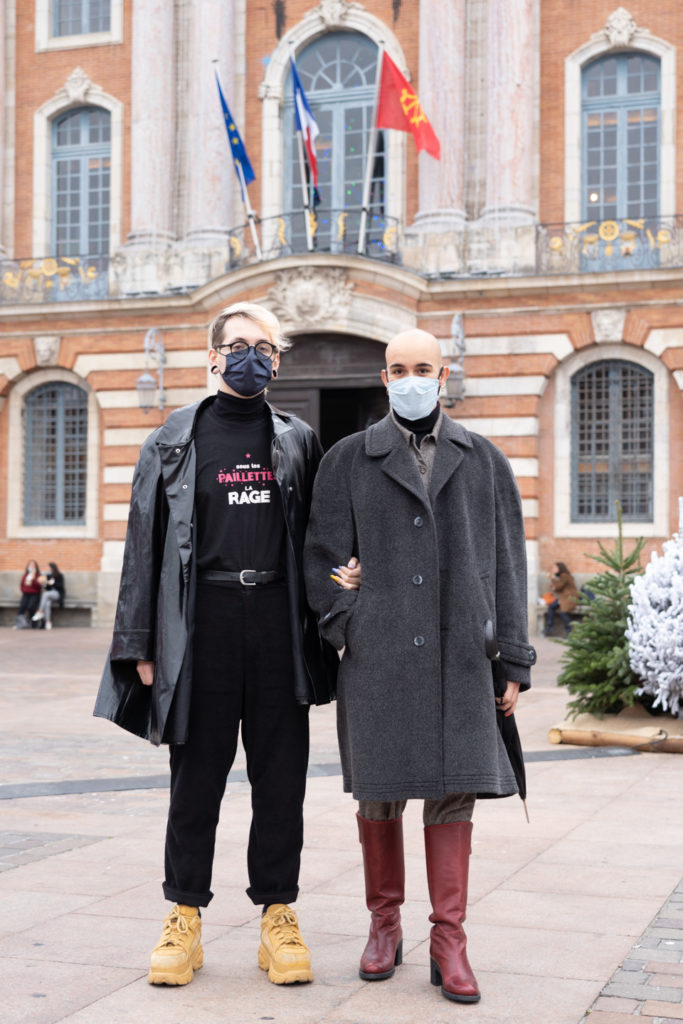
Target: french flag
[{"x": 305, "y": 122}]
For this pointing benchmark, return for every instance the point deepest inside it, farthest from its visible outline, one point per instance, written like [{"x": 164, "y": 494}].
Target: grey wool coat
[{"x": 416, "y": 710}]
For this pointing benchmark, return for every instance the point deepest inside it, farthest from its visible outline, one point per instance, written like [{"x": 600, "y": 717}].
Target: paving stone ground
[{"x": 574, "y": 917}]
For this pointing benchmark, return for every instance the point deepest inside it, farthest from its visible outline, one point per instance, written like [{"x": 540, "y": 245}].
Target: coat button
[
  {"x": 417, "y": 580},
  {"x": 418, "y": 521},
  {"x": 177, "y": 451},
  {"x": 184, "y": 487},
  {"x": 419, "y": 641},
  {"x": 423, "y": 469}
]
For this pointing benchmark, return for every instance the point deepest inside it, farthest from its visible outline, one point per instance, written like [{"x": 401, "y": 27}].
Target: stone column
[
  {"x": 211, "y": 180},
  {"x": 441, "y": 90},
  {"x": 510, "y": 79},
  {"x": 3, "y": 142},
  {"x": 153, "y": 124}
]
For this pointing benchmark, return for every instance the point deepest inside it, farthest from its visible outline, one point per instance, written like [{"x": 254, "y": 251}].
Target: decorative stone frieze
[
  {"x": 46, "y": 347},
  {"x": 310, "y": 297},
  {"x": 334, "y": 12},
  {"x": 620, "y": 28},
  {"x": 608, "y": 324}
]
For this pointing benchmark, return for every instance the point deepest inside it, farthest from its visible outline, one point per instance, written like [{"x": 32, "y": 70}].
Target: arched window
[
  {"x": 612, "y": 442},
  {"x": 55, "y": 455},
  {"x": 337, "y": 72},
  {"x": 621, "y": 137},
  {"x": 81, "y": 182},
  {"x": 76, "y": 17}
]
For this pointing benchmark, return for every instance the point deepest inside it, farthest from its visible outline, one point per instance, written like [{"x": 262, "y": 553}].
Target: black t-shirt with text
[{"x": 238, "y": 510}]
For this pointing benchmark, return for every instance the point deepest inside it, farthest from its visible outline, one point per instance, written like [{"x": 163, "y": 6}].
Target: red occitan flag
[{"x": 398, "y": 107}]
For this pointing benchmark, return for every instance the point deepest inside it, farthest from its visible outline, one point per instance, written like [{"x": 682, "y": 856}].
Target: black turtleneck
[
  {"x": 238, "y": 510},
  {"x": 423, "y": 426}
]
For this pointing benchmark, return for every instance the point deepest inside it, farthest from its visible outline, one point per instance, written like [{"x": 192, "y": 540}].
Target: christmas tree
[
  {"x": 596, "y": 664},
  {"x": 655, "y": 625}
]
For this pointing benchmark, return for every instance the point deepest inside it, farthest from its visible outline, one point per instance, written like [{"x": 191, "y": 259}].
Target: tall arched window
[
  {"x": 81, "y": 182},
  {"x": 612, "y": 442},
  {"x": 337, "y": 72},
  {"x": 55, "y": 455},
  {"x": 621, "y": 137},
  {"x": 76, "y": 17}
]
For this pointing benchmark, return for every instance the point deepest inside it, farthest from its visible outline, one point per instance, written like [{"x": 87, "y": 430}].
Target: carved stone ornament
[
  {"x": 310, "y": 296},
  {"x": 620, "y": 28},
  {"x": 333, "y": 12},
  {"x": 608, "y": 324},
  {"x": 77, "y": 86},
  {"x": 46, "y": 348}
]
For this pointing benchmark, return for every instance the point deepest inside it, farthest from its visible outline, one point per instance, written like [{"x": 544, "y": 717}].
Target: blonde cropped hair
[{"x": 259, "y": 315}]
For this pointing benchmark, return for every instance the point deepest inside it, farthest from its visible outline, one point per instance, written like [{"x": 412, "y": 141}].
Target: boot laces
[
  {"x": 175, "y": 926},
  {"x": 286, "y": 929}
]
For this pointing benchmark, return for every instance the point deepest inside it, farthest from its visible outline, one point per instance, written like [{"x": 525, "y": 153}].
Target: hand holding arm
[{"x": 349, "y": 575}]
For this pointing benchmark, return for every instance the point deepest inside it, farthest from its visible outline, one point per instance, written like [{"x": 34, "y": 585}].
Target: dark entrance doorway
[{"x": 332, "y": 381}]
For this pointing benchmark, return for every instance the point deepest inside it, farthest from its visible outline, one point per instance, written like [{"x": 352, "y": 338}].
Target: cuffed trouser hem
[
  {"x": 266, "y": 899},
  {"x": 188, "y": 899}
]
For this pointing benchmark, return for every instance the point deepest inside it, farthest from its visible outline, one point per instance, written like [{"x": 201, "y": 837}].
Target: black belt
[{"x": 247, "y": 577}]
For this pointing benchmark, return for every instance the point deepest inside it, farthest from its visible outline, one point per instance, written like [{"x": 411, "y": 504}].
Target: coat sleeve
[
  {"x": 134, "y": 626},
  {"x": 517, "y": 655},
  {"x": 330, "y": 540}
]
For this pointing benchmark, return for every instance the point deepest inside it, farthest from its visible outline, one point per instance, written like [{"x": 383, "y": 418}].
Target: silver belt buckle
[{"x": 242, "y": 579}]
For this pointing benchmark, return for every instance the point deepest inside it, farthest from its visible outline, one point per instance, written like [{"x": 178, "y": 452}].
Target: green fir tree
[{"x": 596, "y": 661}]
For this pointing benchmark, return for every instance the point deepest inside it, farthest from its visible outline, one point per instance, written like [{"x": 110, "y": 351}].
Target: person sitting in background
[
  {"x": 567, "y": 597},
  {"x": 53, "y": 592},
  {"x": 30, "y": 595}
]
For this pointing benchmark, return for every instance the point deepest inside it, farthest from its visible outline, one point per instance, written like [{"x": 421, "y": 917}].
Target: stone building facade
[{"x": 544, "y": 248}]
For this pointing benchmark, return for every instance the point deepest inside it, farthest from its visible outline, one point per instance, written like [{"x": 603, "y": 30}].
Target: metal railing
[
  {"x": 54, "y": 279},
  {"x": 598, "y": 246},
  {"x": 333, "y": 231}
]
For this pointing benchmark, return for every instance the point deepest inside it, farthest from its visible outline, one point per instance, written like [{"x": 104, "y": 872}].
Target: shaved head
[
  {"x": 414, "y": 353},
  {"x": 414, "y": 345}
]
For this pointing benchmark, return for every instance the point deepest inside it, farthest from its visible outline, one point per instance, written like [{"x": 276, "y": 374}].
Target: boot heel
[
  {"x": 434, "y": 973},
  {"x": 398, "y": 959}
]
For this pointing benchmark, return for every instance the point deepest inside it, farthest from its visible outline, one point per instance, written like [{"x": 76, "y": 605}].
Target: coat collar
[
  {"x": 384, "y": 439},
  {"x": 381, "y": 437}
]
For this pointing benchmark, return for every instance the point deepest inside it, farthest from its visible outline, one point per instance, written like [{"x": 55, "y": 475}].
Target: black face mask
[{"x": 248, "y": 375}]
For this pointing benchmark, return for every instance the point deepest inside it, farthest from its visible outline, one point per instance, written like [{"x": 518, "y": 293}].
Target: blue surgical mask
[
  {"x": 248, "y": 375},
  {"x": 413, "y": 398}
]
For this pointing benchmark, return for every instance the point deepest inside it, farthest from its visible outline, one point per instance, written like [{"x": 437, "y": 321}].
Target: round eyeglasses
[{"x": 240, "y": 348}]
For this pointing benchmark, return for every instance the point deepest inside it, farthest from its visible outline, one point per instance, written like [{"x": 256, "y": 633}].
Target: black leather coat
[{"x": 155, "y": 611}]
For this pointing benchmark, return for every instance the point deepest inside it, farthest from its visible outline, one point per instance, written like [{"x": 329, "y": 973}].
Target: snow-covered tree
[{"x": 655, "y": 625}]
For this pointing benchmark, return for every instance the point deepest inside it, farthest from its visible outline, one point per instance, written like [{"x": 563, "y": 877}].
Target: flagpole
[
  {"x": 246, "y": 202},
  {"x": 248, "y": 210},
  {"x": 304, "y": 192},
  {"x": 371, "y": 155},
  {"x": 302, "y": 167}
]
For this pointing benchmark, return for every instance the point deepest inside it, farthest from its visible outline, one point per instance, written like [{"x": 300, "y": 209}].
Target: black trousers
[{"x": 242, "y": 674}]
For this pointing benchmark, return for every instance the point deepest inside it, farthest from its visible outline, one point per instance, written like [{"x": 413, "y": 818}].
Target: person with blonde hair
[{"x": 213, "y": 633}]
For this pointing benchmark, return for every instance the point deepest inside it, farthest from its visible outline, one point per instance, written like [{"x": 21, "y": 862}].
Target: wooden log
[{"x": 647, "y": 739}]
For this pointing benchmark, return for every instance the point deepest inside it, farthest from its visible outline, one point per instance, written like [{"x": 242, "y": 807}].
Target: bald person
[{"x": 415, "y": 540}]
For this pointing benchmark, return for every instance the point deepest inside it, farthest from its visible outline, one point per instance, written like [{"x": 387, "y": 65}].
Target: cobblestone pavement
[
  {"x": 649, "y": 981},
  {"x": 580, "y": 910}
]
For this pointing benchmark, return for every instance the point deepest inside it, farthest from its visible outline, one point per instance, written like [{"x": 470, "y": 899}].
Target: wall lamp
[{"x": 146, "y": 385}]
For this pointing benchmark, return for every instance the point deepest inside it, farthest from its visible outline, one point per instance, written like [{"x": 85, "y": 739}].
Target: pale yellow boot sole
[
  {"x": 157, "y": 977},
  {"x": 286, "y": 977}
]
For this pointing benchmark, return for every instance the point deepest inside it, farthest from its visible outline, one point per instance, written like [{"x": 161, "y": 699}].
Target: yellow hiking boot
[
  {"x": 178, "y": 953},
  {"x": 283, "y": 953}
]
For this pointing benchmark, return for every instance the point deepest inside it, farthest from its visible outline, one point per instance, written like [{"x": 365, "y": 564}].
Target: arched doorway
[{"x": 332, "y": 381}]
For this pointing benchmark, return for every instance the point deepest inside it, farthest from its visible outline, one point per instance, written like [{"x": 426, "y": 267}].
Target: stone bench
[{"x": 76, "y": 611}]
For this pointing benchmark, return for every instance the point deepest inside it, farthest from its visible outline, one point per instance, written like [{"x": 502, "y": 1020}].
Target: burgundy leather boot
[
  {"x": 448, "y": 854},
  {"x": 382, "y": 843}
]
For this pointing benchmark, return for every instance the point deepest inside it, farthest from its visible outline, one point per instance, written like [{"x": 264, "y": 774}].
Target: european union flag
[{"x": 239, "y": 153}]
